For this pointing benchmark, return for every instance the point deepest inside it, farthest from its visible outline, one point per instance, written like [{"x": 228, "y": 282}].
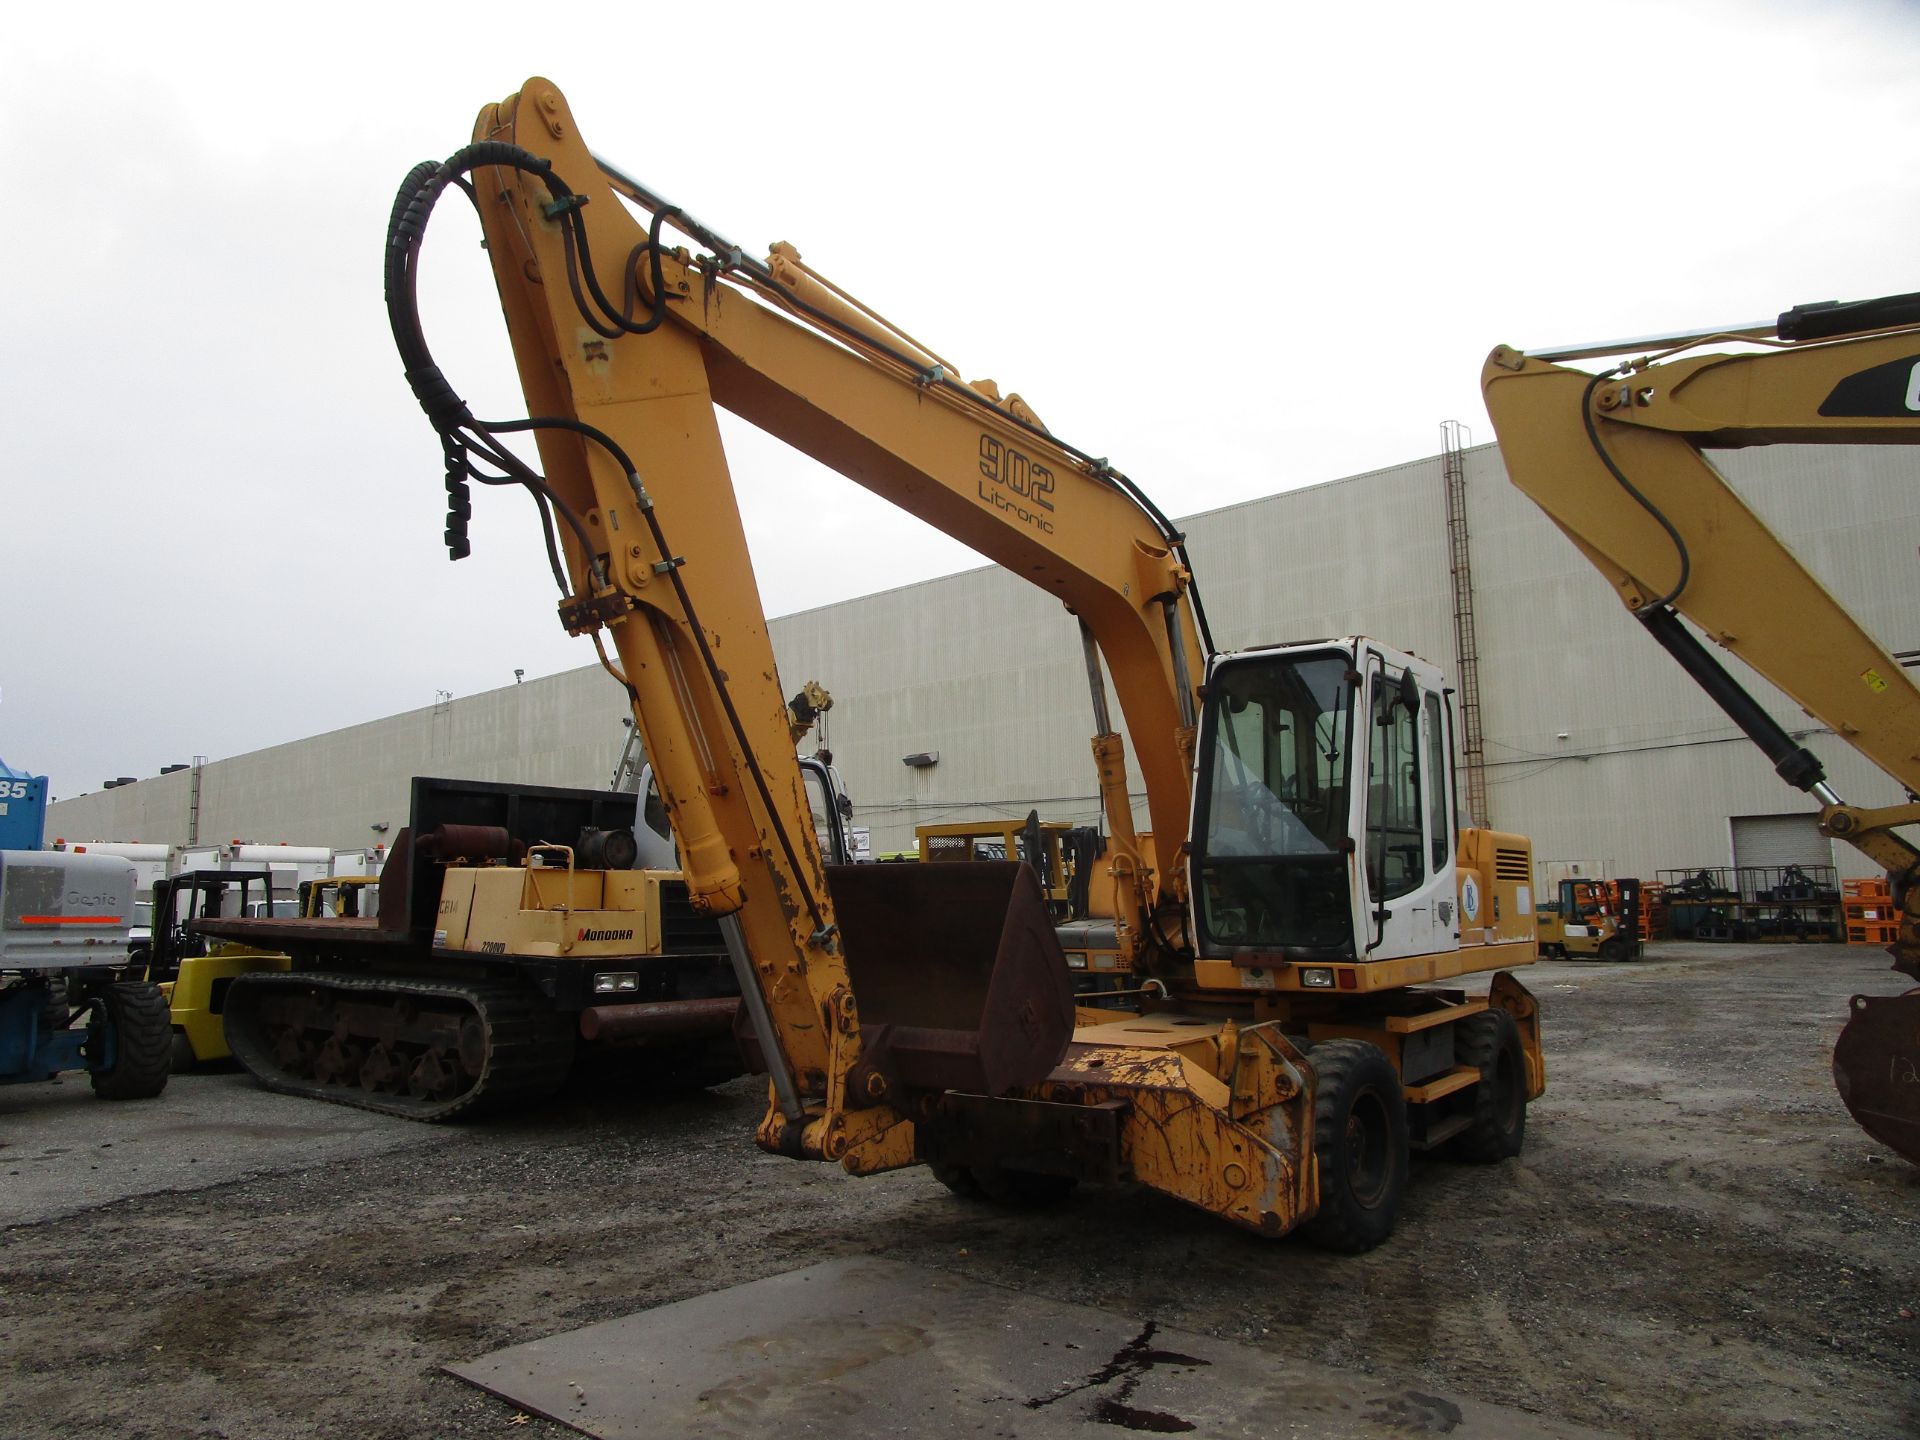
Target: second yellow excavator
[
  {"x": 1297, "y": 1029},
  {"x": 1618, "y": 459}
]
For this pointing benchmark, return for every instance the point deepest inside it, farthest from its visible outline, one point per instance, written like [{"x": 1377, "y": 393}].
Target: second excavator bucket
[
  {"x": 959, "y": 978},
  {"x": 1876, "y": 1065}
]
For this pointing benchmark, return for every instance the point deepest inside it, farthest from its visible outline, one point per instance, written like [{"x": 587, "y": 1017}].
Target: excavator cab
[{"x": 1323, "y": 827}]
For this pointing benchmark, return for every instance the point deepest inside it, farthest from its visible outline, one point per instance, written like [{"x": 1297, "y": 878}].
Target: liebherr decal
[{"x": 1015, "y": 483}]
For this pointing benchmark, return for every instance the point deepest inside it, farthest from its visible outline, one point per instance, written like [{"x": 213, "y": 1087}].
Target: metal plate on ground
[{"x": 863, "y": 1347}]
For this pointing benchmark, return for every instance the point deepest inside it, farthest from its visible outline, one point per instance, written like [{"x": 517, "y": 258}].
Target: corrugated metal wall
[{"x": 1596, "y": 745}]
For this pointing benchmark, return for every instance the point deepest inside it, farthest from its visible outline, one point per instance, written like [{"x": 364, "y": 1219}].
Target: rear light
[{"x": 1349, "y": 980}]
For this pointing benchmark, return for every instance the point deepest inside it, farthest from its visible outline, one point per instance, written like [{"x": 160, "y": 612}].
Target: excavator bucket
[
  {"x": 959, "y": 979},
  {"x": 1876, "y": 1064}
]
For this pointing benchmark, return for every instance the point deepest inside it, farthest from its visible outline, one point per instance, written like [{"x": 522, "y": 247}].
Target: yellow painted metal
[
  {"x": 653, "y": 394},
  {"x": 1007, "y": 834},
  {"x": 1388, "y": 1032},
  {"x": 518, "y": 910},
  {"x": 1236, "y": 1142},
  {"x": 1508, "y": 994},
  {"x": 973, "y": 468},
  {"x": 1372, "y": 977},
  {"x": 195, "y": 995},
  {"x": 1455, "y": 1080},
  {"x": 1746, "y": 590},
  {"x": 1412, "y": 1024},
  {"x": 327, "y": 899},
  {"x": 1500, "y": 866}
]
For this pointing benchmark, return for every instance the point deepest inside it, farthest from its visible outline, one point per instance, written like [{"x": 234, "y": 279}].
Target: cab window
[
  {"x": 1439, "y": 812},
  {"x": 1395, "y": 844}
]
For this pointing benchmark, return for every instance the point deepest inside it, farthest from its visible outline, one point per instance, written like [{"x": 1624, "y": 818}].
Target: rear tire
[
  {"x": 1490, "y": 1042},
  {"x": 1360, "y": 1144},
  {"x": 181, "y": 1058},
  {"x": 142, "y": 1031}
]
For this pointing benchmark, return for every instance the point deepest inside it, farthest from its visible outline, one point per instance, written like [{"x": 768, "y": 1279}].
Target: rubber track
[{"x": 529, "y": 1044}]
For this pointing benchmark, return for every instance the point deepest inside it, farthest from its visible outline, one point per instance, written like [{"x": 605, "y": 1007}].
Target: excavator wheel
[
  {"x": 1360, "y": 1144},
  {"x": 142, "y": 1026},
  {"x": 1490, "y": 1042}
]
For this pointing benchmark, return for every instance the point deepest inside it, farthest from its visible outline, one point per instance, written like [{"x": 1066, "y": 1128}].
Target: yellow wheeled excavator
[
  {"x": 1296, "y": 1032},
  {"x": 1616, "y": 457}
]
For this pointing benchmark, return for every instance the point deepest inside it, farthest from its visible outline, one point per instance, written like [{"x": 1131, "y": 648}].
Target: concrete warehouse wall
[{"x": 986, "y": 671}]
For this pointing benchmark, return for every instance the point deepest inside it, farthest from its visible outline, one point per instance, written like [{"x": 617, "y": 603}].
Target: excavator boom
[{"x": 1616, "y": 460}]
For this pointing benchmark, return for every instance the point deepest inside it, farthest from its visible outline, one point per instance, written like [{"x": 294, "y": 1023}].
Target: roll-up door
[{"x": 1775, "y": 840}]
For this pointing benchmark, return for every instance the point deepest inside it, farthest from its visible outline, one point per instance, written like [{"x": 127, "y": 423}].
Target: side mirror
[{"x": 1409, "y": 696}]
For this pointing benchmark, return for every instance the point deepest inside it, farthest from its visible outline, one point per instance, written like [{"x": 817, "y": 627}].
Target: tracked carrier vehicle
[{"x": 513, "y": 935}]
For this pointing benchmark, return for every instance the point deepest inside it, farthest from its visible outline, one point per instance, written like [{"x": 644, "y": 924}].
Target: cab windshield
[{"x": 1273, "y": 871}]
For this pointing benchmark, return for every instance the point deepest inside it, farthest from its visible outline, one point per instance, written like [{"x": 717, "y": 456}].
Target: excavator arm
[
  {"x": 787, "y": 351},
  {"x": 1616, "y": 460},
  {"x": 625, "y": 343}
]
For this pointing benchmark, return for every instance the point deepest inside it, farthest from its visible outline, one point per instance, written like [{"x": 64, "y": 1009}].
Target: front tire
[
  {"x": 1360, "y": 1144},
  {"x": 1614, "y": 947},
  {"x": 142, "y": 1029},
  {"x": 1490, "y": 1042}
]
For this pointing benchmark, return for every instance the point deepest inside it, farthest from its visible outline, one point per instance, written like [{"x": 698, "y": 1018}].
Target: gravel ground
[{"x": 1696, "y": 1243}]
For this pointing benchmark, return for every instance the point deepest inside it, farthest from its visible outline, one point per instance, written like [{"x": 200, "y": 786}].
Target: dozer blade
[
  {"x": 1876, "y": 1064},
  {"x": 959, "y": 979}
]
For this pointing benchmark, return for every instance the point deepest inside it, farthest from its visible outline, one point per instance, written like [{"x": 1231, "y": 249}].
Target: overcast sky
[{"x": 1237, "y": 249}]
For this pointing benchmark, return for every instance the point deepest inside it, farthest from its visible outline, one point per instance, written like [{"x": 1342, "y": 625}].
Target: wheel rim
[{"x": 1369, "y": 1154}]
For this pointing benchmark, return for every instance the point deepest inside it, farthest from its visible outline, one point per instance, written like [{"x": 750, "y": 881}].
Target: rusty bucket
[
  {"x": 959, "y": 979},
  {"x": 1876, "y": 1065}
]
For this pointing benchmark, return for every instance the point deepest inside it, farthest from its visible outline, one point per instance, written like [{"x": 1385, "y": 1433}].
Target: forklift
[
  {"x": 1590, "y": 920},
  {"x": 194, "y": 972}
]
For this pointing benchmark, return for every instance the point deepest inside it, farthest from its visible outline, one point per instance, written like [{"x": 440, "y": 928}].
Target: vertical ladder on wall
[
  {"x": 193, "y": 800},
  {"x": 1473, "y": 766}
]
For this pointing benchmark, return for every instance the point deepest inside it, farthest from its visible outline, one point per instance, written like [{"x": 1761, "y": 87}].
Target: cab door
[{"x": 1405, "y": 829}]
